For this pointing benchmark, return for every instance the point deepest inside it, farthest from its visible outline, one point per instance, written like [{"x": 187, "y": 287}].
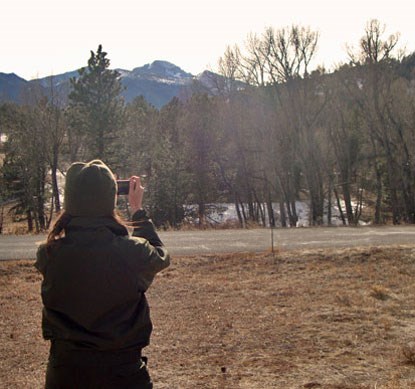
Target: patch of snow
[
  {"x": 175, "y": 81},
  {"x": 124, "y": 73},
  {"x": 226, "y": 212}
]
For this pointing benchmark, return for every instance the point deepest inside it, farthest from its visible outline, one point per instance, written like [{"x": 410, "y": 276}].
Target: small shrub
[
  {"x": 408, "y": 351},
  {"x": 380, "y": 292}
]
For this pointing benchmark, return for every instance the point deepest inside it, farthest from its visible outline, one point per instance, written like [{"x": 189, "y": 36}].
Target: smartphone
[{"x": 123, "y": 187}]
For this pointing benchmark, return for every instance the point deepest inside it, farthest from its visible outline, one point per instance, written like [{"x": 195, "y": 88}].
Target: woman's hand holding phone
[{"x": 135, "y": 194}]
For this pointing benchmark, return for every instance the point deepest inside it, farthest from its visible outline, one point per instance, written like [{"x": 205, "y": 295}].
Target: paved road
[{"x": 255, "y": 240}]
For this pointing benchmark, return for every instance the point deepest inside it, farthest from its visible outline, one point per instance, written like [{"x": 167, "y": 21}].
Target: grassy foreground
[{"x": 299, "y": 319}]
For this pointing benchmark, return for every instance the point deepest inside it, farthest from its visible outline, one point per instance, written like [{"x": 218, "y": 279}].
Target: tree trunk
[
  {"x": 339, "y": 206},
  {"x": 1, "y": 218},
  {"x": 283, "y": 214},
  {"x": 378, "y": 204},
  {"x": 347, "y": 200},
  {"x": 271, "y": 217},
  {"x": 329, "y": 195},
  {"x": 202, "y": 214},
  {"x": 29, "y": 220},
  {"x": 55, "y": 187},
  {"x": 238, "y": 212}
]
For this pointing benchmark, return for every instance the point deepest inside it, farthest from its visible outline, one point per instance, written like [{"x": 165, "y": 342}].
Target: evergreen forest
[{"x": 275, "y": 131}]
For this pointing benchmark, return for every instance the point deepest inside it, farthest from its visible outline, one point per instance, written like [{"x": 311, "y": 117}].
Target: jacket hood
[{"x": 90, "y": 189}]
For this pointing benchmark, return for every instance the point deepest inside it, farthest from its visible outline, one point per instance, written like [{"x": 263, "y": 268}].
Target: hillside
[{"x": 11, "y": 87}]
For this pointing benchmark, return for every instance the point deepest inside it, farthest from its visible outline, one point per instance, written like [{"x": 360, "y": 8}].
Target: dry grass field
[{"x": 300, "y": 319}]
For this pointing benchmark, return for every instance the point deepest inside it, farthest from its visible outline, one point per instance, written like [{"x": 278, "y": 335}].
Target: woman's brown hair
[{"x": 59, "y": 228}]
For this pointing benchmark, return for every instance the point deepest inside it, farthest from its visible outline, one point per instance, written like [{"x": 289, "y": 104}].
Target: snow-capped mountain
[
  {"x": 158, "y": 82},
  {"x": 160, "y": 71}
]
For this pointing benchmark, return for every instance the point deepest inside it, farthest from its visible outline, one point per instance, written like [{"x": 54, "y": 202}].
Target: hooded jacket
[{"x": 94, "y": 284}]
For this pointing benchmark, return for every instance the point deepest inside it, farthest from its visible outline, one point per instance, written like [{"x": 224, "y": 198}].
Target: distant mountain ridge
[
  {"x": 10, "y": 87},
  {"x": 158, "y": 82}
]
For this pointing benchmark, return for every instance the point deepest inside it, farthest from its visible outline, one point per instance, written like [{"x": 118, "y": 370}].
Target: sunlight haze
[{"x": 48, "y": 37}]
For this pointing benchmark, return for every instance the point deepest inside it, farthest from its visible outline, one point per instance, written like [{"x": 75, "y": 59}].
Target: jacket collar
[{"x": 79, "y": 223}]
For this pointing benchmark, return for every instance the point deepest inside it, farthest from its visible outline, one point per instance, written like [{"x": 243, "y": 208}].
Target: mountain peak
[
  {"x": 162, "y": 65},
  {"x": 12, "y": 76},
  {"x": 161, "y": 69},
  {"x": 11, "y": 86}
]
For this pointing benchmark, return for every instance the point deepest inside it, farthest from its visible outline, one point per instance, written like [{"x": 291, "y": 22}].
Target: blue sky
[{"x": 45, "y": 37}]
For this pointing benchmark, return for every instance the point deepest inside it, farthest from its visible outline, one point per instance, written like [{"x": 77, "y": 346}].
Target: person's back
[{"x": 95, "y": 277}]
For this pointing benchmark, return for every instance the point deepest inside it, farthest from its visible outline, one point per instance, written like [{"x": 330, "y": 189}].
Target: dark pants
[
  {"x": 72, "y": 367},
  {"x": 125, "y": 376}
]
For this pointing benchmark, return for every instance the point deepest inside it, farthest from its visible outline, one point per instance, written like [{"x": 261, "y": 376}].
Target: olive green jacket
[{"x": 94, "y": 283}]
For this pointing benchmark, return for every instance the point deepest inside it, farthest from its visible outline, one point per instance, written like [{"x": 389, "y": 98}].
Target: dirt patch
[{"x": 302, "y": 319}]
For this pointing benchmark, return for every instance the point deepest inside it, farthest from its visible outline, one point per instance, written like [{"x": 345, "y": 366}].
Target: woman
[{"x": 95, "y": 276}]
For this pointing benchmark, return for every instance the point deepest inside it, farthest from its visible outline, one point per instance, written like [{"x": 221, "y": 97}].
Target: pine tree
[
  {"x": 96, "y": 109},
  {"x": 24, "y": 171}
]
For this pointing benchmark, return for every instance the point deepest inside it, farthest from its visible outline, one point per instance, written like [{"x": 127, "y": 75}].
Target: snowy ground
[{"x": 226, "y": 213}]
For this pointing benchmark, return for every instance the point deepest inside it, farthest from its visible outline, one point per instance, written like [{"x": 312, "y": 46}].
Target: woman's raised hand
[{"x": 135, "y": 194}]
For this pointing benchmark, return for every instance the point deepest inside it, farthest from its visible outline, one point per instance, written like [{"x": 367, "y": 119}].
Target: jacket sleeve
[
  {"x": 154, "y": 256},
  {"x": 41, "y": 259},
  {"x": 144, "y": 228}
]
